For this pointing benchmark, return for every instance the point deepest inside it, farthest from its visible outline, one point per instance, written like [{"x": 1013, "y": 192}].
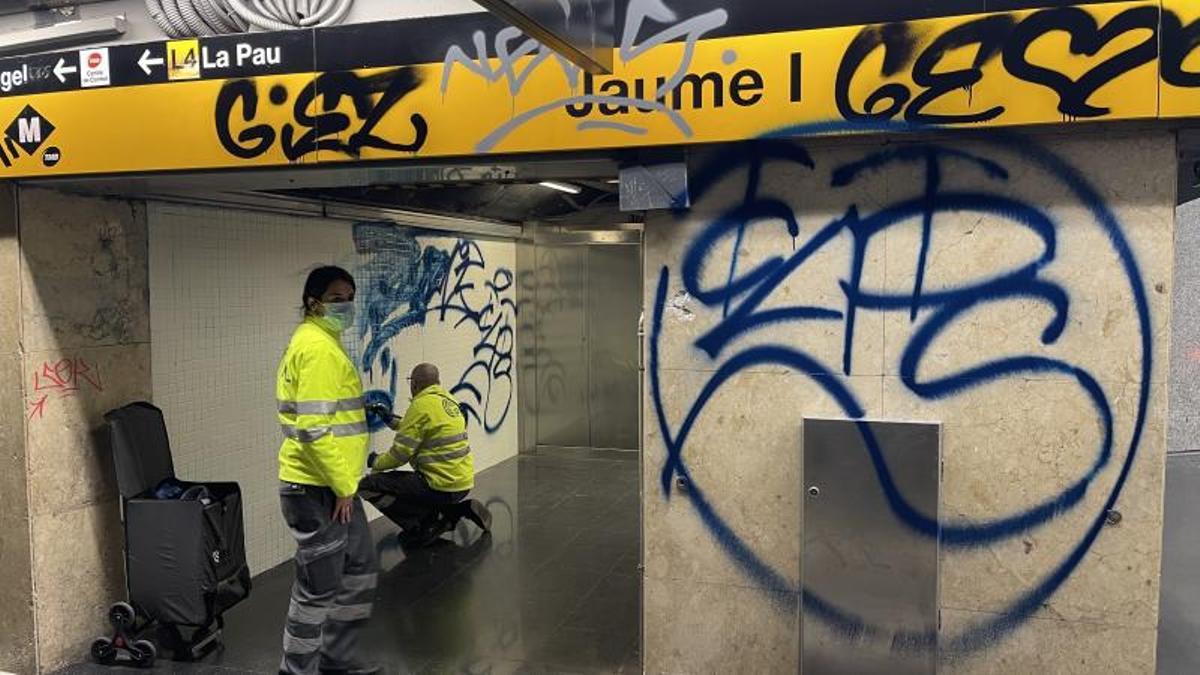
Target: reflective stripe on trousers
[{"x": 335, "y": 581}]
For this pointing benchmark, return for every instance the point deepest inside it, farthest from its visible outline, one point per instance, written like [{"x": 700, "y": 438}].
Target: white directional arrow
[
  {"x": 61, "y": 69},
  {"x": 145, "y": 62}
]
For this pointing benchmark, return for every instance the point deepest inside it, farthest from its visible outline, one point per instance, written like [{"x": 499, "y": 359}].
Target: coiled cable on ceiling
[
  {"x": 202, "y": 18},
  {"x": 166, "y": 14}
]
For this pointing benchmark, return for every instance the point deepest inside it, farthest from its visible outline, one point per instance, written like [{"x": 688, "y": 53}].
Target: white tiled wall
[{"x": 224, "y": 298}]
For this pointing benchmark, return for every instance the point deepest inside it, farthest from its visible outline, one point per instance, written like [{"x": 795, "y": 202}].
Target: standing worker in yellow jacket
[
  {"x": 432, "y": 437},
  {"x": 324, "y": 454}
]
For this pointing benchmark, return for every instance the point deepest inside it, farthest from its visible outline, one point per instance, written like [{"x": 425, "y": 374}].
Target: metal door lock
[{"x": 814, "y": 491}]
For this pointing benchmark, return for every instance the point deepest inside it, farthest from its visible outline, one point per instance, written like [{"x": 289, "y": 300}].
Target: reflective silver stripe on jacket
[
  {"x": 352, "y": 429},
  {"x": 321, "y": 407},
  {"x": 434, "y": 459},
  {"x": 313, "y": 434},
  {"x": 406, "y": 441},
  {"x": 304, "y": 435},
  {"x": 443, "y": 442},
  {"x": 401, "y": 455}
]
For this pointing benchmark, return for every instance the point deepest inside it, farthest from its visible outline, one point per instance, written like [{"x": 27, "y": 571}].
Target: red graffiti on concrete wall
[{"x": 62, "y": 379}]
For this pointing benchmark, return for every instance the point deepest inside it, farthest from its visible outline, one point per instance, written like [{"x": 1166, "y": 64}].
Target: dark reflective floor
[{"x": 553, "y": 589}]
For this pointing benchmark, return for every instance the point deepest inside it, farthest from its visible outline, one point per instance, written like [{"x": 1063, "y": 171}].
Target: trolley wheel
[
  {"x": 122, "y": 615},
  {"x": 144, "y": 653},
  {"x": 103, "y": 651}
]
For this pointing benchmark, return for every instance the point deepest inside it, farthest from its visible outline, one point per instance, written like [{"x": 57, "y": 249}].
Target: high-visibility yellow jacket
[
  {"x": 433, "y": 436},
  {"x": 322, "y": 413}
]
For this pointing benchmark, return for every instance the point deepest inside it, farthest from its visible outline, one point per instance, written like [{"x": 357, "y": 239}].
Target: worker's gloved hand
[{"x": 382, "y": 413}]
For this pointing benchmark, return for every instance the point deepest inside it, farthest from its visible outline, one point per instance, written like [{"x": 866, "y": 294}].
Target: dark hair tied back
[{"x": 319, "y": 281}]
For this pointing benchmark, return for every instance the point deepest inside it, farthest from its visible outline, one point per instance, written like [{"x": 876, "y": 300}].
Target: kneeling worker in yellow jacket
[{"x": 432, "y": 437}]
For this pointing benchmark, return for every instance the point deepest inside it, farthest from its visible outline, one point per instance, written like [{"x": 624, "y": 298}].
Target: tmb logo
[{"x": 29, "y": 130}]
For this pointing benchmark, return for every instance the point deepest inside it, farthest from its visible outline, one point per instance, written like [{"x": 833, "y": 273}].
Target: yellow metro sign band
[{"x": 1044, "y": 66}]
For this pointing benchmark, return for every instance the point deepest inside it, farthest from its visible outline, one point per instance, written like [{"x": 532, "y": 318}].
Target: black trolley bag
[{"x": 185, "y": 558}]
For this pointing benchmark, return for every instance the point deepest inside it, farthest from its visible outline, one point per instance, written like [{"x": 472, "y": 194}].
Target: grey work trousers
[{"x": 336, "y": 574}]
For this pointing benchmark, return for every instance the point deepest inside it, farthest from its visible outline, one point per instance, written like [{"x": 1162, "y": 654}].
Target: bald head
[{"x": 424, "y": 375}]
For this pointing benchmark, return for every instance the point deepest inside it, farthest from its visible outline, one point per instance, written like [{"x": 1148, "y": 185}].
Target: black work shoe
[
  {"x": 442, "y": 526},
  {"x": 353, "y": 669},
  {"x": 412, "y": 538},
  {"x": 423, "y": 536},
  {"x": 479, "y": 514},
  {"x": 431, "y": 537}
]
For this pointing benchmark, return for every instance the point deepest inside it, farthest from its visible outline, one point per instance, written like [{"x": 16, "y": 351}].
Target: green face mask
[{"x": 338, "y": 316}]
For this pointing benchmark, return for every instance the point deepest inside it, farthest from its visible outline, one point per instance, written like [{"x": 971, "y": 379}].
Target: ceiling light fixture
[{"x": 561, "y": 187}]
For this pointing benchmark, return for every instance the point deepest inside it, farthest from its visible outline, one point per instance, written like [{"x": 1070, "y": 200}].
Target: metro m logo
[{"x": 29, "y": 130}]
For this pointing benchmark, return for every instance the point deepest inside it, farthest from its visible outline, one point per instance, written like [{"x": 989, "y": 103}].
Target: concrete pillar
[
  {"x": 85, "y": 349},
  {"x": 16, "y": 593},
  {"x": 760, "y": 270}
]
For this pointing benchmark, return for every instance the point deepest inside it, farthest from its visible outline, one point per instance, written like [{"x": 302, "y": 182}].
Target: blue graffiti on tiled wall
[
  {"x": 738, "y": 305},
  {"x": 406, "y": 280}
]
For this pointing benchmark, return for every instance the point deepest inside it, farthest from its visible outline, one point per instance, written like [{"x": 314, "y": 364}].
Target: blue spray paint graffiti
[
  {"x": 744, "y": 291},
  {"x": 404, "y": 283}
]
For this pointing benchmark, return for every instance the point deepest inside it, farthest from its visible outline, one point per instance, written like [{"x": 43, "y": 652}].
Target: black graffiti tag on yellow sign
[
  {"x": 317, "y": 121},
  {"x": 1180, "y": 96},
  {"x": 1113, "y": 46},
  {"x": 223, "y": 104}
]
